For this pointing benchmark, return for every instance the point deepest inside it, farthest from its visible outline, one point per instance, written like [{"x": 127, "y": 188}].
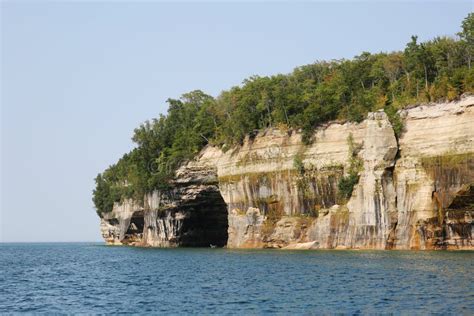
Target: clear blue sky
[{"x": 77, "y": 78}]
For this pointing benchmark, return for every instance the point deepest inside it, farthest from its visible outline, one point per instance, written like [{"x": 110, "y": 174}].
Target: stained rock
[{"x": 273, "y": 191}]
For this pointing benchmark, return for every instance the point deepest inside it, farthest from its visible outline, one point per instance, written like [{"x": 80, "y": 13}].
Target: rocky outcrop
[
  {"x": 115, "y": 225},
  {"x": 436, "y": 165},
  {"x": 274, "y": 191},
  {"x": 191, "y": 214},
  {"x": 300, "y": 198}
]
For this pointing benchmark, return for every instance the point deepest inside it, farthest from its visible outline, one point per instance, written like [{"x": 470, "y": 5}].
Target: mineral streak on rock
[{"x": 276, "y": 192}]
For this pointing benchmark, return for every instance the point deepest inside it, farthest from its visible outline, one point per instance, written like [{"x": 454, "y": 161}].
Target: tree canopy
[{"x": 439, "y": 69}]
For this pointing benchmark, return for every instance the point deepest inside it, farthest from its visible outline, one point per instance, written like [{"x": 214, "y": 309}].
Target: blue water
[{"x": 92, "y": 278}]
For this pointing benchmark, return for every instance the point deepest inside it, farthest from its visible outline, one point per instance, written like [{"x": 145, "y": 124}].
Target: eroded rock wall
[
  {"x": 299, "y": 198},
  {"x": 435, "y": 165},
  {"x": 114, "y": 225},
  {"x": 274, "y": 191},
  {"x": 191, "y": 214}
]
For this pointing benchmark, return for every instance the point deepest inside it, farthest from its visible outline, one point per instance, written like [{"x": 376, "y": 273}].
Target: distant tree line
[{"x": 439, "y": 69}]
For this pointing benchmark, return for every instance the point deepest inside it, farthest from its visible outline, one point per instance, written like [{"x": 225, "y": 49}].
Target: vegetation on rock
[
  {"x": 346, "y": 184},
  {"x": 439, "y": 69}
]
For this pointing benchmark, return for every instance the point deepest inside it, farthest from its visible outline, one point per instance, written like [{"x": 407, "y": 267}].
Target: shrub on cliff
[{"x": 346, "y": 185}]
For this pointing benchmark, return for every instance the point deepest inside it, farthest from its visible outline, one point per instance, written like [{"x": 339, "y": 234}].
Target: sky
[{"x": 78, "y": 77}]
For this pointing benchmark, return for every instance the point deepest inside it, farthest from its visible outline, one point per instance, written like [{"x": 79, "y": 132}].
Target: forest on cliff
[{"x": 435, "y": 70}]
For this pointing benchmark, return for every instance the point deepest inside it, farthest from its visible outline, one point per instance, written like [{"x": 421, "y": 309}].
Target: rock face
[
  {"x": 274, "y": 191},
  {"x": 436, "y": 168},
  {"x": 191, "y": 214}
]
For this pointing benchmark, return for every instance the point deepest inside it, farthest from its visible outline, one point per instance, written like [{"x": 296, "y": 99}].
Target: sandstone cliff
[{"x": 274, "y": 191}]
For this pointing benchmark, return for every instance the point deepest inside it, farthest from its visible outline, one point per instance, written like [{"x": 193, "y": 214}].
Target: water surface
[{"x": 92, "y": 278}]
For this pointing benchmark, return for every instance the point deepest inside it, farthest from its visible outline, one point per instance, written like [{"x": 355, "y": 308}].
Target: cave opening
[
  {"x": 464, "y": 200},
  {"x": 135, "y": 228},
  {"x": 206, "y": 223},
  {"x": 460, "y": 213}
]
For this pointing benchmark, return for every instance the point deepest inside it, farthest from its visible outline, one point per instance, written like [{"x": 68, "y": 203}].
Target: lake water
[{"x": 93, "y": 278}]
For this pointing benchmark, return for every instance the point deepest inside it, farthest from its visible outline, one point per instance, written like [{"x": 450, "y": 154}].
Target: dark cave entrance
[
  {"x": 460, "y": 212},
  {"x": 206, "y": 222},
  {"x": 463, "y": 201},
  {"x": 135, "y": 228}
]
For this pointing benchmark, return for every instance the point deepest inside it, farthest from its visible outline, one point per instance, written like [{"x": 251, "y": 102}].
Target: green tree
[{"x": 467, "y": 36}]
